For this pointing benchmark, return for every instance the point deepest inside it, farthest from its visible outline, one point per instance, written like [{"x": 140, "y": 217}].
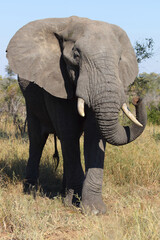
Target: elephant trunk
[
  {"x": 106, "y": 97},
  {"x": 106, "y": 112}
]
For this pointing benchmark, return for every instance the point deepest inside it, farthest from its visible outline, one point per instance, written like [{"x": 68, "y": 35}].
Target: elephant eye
[{"x": 76, "y": 55}]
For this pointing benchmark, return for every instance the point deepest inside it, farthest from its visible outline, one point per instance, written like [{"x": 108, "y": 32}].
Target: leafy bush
[
  {"x": 12, "y": 104},
  {"x": 154, "y": 114}
]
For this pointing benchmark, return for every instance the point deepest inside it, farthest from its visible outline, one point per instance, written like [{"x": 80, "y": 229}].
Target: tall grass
[{"x": 131, "y": 191}]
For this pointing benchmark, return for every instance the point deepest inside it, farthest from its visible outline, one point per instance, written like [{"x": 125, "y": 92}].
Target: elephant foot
[
  {"x": 30, "y": 187},
  {"x": 68, "y": 198},
  {"x": 92, "y": 192},
  {"x": 72, "y": 197},
  {"x": 94, "y": 205}
]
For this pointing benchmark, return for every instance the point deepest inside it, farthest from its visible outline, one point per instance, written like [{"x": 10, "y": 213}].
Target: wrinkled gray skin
[{"x": 58, "y": 60}]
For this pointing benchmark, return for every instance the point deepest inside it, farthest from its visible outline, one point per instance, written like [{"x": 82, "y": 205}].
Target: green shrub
[{"x": 153, "y": 113}]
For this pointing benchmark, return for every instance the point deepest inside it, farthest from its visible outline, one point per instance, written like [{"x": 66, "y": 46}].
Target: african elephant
[{"x": 69, "y": 62}]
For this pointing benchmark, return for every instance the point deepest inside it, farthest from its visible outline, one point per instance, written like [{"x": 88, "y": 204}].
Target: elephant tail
[{"x": 56, "y": 154}]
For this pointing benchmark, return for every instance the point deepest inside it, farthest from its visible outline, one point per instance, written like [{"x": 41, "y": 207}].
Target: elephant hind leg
[{"x": 37, "y": 140}]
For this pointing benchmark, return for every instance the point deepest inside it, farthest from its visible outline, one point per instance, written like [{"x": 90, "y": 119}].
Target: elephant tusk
[
  {"x": 130, "y": 115},
  {"x": 80, "y": 106}
]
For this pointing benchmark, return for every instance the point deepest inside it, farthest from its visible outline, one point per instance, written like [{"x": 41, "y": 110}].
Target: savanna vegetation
[
  {"x": 131, "y": 191},
  {"x": 131, "y": 187}
]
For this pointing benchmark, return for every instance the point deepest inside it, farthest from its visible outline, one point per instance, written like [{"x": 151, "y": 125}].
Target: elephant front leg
[
  {"x": 92, "y": 192},
  {"x": 73, "y": 173},
  {"x": 94, "y": 151}
]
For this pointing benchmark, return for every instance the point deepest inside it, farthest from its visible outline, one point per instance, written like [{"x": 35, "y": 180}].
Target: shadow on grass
[
  {"x": 4, "y": 135},
  {"x": 156, "y": 137},
  {"x": 50, "y": 181}
]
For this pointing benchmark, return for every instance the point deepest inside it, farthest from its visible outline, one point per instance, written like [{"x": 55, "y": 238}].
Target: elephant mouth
[{"x": 81, "y": 103}]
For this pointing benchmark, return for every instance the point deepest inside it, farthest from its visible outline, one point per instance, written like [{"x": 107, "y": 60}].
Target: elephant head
[{"x": 90, "y": 59}]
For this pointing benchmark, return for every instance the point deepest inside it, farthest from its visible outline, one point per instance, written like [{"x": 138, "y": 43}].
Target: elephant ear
[
  {"x": 128, "y": 66},
  {"x": 34, "y": 54}
]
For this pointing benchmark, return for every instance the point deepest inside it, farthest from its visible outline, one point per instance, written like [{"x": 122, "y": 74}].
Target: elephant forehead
[
  {"x": 84, "y": 27},
  {"x": 98, "y": 39}
]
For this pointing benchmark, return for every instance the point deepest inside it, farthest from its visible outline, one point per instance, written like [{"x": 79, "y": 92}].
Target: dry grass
[{"x": 131, "y": 191}]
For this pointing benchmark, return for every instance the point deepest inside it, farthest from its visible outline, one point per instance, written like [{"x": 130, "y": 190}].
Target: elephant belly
[{"x": 64, "y": 117}]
